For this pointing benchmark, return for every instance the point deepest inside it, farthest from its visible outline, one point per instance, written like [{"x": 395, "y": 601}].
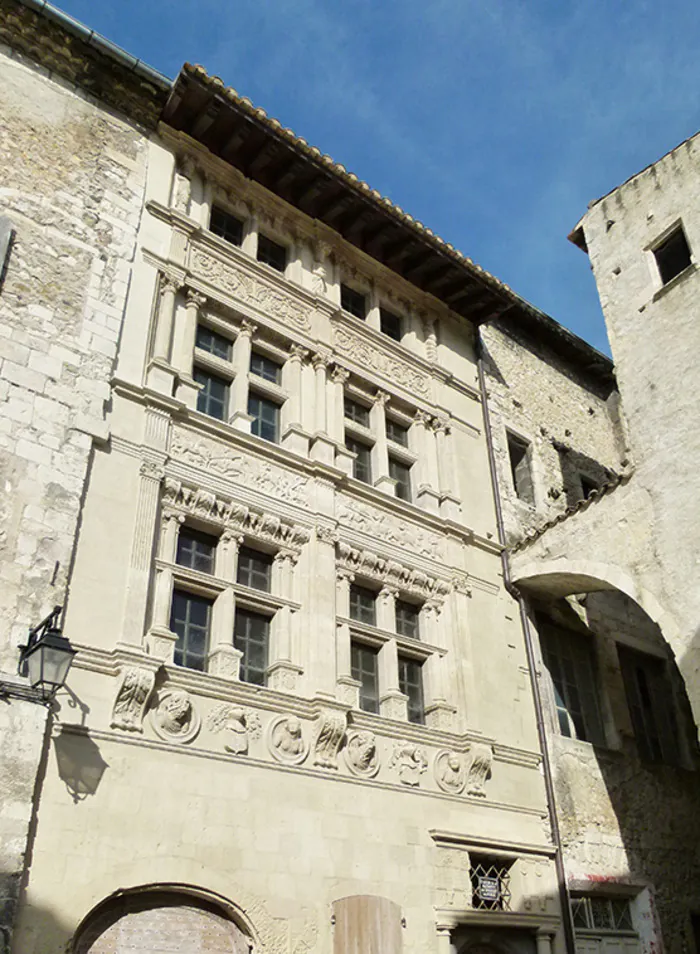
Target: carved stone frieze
[
  {"x": 479, "y": 769},
  {"x": 240, "y": 726},
  {"x": 361, "y": 754},
  {"x": 410, "y": 761},
  {"x": 255, "y": 291},
  {"x": 210, "y": 455},
  {"x": 234, "y": 516},
  {"x": 329, "y": 735},
  {"x": 390, "y": 529},
  {"x": 132, "y": 698},
  {"x": 285, "y": 739},
  {"x": 175, "y": 718},
  {"x": 450, "y": 773},
  {"x": 367, "y": 354},
  {"x": 391, "y": 574}
]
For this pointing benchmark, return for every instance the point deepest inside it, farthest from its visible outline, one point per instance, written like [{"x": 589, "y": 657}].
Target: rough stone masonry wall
[
  {"x": 570, "y": 421},
  {"x": 71, "y": 181}
]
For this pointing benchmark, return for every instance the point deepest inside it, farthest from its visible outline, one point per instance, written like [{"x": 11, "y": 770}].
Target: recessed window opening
[
  {"x": 362, "y": 464},
  {"x": 251, "y": 636},
  {"x": 213, "y": 342},
  {"x": 364, "y": 668},
  {"x": 672, "y": 255},
  {"x": 407, "y": 619},
  {"x": 196, "y": 550},
  {"x": 569, "y": 660},
  {"x": 190, "y": 617},
  {"x": 650, "y": 703},
  {"x": 212, "y": 398},
  {"x": 390, "y": 324},
  {"x": 272, "y": 253},
  {"x": 363, "y": 605},
  {"x": 411, "y": 685},
  {"x": 490, "y": 878},
  {"x": 604, "y": 914},
  {"x": 401, "y": 473},
  {"x": 396, "y": 432},
  {"x": 225, "y": 225},
  {"x": 356, "y": 412},
  {"x": 519, "y": 457},
  {"x": 265, "y": 418},
  {"x": 353, "y": 301},
  {"x": 254, "y": 569},
  {"x": 265, "y": 367}
]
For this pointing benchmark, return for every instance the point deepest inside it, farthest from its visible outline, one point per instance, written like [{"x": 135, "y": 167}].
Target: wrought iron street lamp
[{"x": 47, "y": 656}]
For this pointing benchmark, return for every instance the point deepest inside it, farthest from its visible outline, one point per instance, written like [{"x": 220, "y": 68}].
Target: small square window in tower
[
  {"x": 519, "y": 457},
  {"x": 353, "y": 301},
  {"x": 272, "y": 253},
  {"x": 672, "y": 255},
  {"x": 226, "y": 226}
]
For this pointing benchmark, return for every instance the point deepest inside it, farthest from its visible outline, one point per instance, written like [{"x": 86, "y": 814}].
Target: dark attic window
[
  {"x": 519, "y": 456},
  {"x": 672, "y": 255}
]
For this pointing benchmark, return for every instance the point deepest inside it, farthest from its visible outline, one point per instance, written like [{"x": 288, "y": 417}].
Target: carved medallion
[
  {"x": 330, "y": 732},
  {"x": 132, "y": 698},
  {"x": 361, "y": 754},
  {"x": 410, "y": 761},
  {"x": 450, "y": 772},
  {"x": 240, "y": 725},
  {"x": 286, "y": 741},
  {"x": 175, "y": 718}
]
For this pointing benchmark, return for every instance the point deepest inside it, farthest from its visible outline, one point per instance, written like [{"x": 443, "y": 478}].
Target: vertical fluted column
[
  {"x": 139, "y": 575},
  {"x": 184, "y": 339},
  {"x": 380, "y": 448},
  {"x": 242, "y": 348},
  {"x": 449, "y": 499},
  {"x": 423, "y": 439},
  {"x": 283, "y": 673},
  {"x": 169, "y": 287},
  {"x": 348, "y": 689},
  {"x": 322, "y": 447},
  {"x": 224, "y": 660}
]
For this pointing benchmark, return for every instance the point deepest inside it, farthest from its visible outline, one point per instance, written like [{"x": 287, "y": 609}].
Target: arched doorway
[{"x": 161, "y": 920}]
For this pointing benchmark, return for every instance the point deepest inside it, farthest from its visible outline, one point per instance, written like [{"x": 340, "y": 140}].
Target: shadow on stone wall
[{"x": 44, "y": 923}]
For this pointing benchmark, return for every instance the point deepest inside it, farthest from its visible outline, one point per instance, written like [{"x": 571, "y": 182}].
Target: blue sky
[{"x": 495, "y": 122}]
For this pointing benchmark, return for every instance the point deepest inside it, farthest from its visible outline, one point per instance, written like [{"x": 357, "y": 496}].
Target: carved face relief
[
  {"x": 175, "y": 719},
  {"x": 449, "y": 772},
  {"x": 361, "y": 754},
  {"x": 286, "y": 740}
]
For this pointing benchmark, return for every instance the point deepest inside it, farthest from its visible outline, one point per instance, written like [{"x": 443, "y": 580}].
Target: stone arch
[
  {"x": 562, "y": 576},
  {"x": 130, "y": 920}
]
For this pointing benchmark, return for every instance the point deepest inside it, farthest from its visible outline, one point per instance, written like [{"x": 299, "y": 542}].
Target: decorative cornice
[{"x": 390, "y": 573}]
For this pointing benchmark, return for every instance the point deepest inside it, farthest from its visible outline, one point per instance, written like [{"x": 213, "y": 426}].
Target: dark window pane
[
  {"x": 672, "y": 256},
  {"x": 401, "y": 473},
  {"x": 226, "y": 225},
  {"x": 362, "y": 465},
  {"x": 621, "y": 914},
  {"x": 353, "y": 301},
  {"x": 407, "y": 619},
  {"x": 251, "y": 637},
  {"x": 568, "y": 657},
  {"x": 579, "y": 912},
  {"x": 357, "y": 413},
  {"x": 271, "y": 253},
  {"x": 651, "y": 706},
  {"x": 196, "y": 550},
  {"x": 265, "y": 368},
  {"x": 265, "y": 414},
  {"x": 213, "y": 342},
  {"x": 364, "y": 669},
  {"x": 254, "y": 569},
  {"x": 411, "y": 684},
  {"x": 212, "y": 398},
  {"x": 600, "y": 913},
  {"x": 396, "y": 432},
  {"x": 189, "y": 620},
  {"x": 391, "y": 324},
  {"x": 363, "y": 605},
  {"x": 519, "y": 456}
]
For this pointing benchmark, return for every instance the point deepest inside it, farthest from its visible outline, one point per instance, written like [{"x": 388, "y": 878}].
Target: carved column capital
[
  {"x": 343, "y": 574},
  {"x": 339, "y": 375},
  {"x": 441, "y": 425},
  {"x": 231, "y": 535},
  {"x": 388, "y": 593},
  {"x": 152, "y": 469},
  {"x": 169, "y": 284},
  {"x": 320, "y": 361},
  {"x": 422, "y": 417},
  {"x": 247, "y": 328},
  {"x": 381, "y": 398},
  {"x": 298, "y": 352},
  {"x": 168, "y": 514},
  {"x": 194, "y": 298}
]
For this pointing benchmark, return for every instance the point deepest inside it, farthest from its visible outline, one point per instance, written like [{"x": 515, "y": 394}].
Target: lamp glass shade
[{"x": 49, "y": 660}]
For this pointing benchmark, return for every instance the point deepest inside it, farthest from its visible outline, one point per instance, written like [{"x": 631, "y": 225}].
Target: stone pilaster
[
  {"x": 242, "y": 348},
  {"x": 186, "y": 389}
]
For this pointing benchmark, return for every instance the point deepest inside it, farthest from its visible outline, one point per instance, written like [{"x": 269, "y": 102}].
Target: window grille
[
  {"x": 591, "y": 913},
  {"x": 490, "y": 878}
]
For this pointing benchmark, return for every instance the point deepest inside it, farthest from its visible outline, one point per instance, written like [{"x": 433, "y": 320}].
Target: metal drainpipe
[{"x": 567, "y": 920}]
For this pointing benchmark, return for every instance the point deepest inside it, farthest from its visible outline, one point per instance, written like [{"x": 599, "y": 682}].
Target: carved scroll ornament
[
  {"x": 330, "y": 732},
  {"x": 479, "y": 770}
]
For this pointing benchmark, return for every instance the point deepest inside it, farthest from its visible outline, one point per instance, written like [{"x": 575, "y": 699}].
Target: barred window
[
  {"x": 599, "y": 913},
  {"x": 490, "y": 878}
]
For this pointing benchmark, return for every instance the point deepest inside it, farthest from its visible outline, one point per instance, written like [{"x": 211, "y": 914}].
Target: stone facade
[{"x": 301, "y": 716}]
